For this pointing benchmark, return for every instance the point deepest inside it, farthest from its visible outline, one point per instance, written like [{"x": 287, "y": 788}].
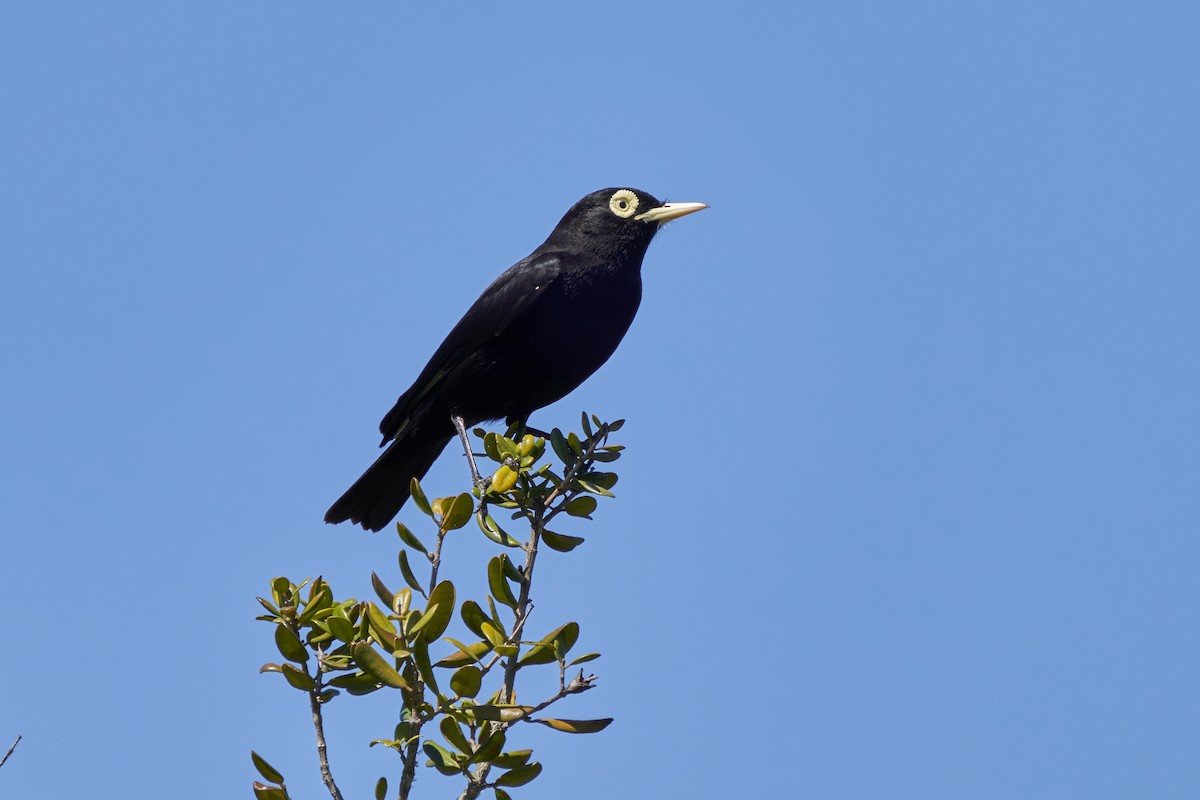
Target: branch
[
  {"x": 478, "y": 781},
  {"x": 10, "y": 750},
  {"x": 408, "y": 772},
  {"x": 314, "y": 703}
]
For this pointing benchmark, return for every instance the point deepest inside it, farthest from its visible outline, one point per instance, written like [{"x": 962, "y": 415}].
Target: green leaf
[
  {"x": 418, "y": 497},
  {"x": 381, "y": 789},
  {"x": 420, "y": 656},
  {"x": 375, "y": 665},
  {"x": 594, "y": 488},
  {"x": 281, "y": 591},
  {"x": 269, "y": 668},
  {"x": 453, "y": 734},
  {"x": 520, "y": 776},
  {"x": 439, "y": 611},
  {"x": 497, "y": 713},
  {"x": 289, "y": 645},
  {"x": 508, "y": 448},
  {"x": 357, "y": 684},
  {"x": 342, "y": 628},
  {"x": 263, "y": 792},
  {"x": 490, "y": 748},
  {"x": 616, "y": 425},
  {"x": 587, "y": 425},
  {"x": 516, "y": 758},
  {"x": 561, "y": 446},
  {"x": 584, "y": 659},
  {"x": 576, "y": 725},
  {"x": 343, "y": 661},
  {"x": 466, "y": 681},
  {"x": 407, "y": 572},
  {"x": 582, "y": 506},
  {"x": 298, "y": 678},
  {"x": 494, "y": 532},
  {"x": 459, "y": 513},
  {"x": 501, "y": 794},
  {"x": 326, "y": 695},
  {"x": 268, "y": 606},
  {"x": 511, "y": 571},
  {"x": 560, "y": 541},
  {"x": 383, "y": 631},
  {"x": 473, "y": 617},
  {"x": 543, "y": 651},
  {"x": 409, "y": 538},
  {"x": 265, "y": 769},
  {"x": 386, "y": 595},
  {"x": 467, "y": 654},
  {"x": 491, "y": 448},
  {"x": 441, "y": 759},
  {"x": 318, "y": 601},
  {"x": 497, "y": 582}
]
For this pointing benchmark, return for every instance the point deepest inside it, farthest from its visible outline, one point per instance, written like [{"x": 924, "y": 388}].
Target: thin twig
[
  {"x": 10, "y": 750},
  {"x": 478, "y": 780},
  {"x": 408, "y": 772},
  {"x": 315, "y": 703}
]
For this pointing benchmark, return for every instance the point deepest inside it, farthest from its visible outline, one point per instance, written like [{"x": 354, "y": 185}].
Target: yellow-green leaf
[
  {"x": 560, "y": 541},
  {"x": 503, "y": 479},
  {"x": 515, "y": 758},
  {"x": 289, "y": 645},
  {"x": 409, "y": 538},
  {"x": 264, "y": 792},
  {"x": 494, "y": 532},
  {"x": 459, "y": 512},
  {"x": 467, "y": 654},
  {"x": 521, "y": 775},
  {"x": 441, "y": 759},
  {"x": 489, "y": 749},
  {"x": 406, "y": 571},
  {"x": 418, "y": 497},
  {"x": 375, "y": 665},
  {"x": 298, "y": 678},
  {"x": 453, "y": 734},
  {"x": 386, "y": 595},
  {"x": 265, "y": 769},
  {"x": 497, "y": 713},
  {"x": 576, "y": 725},
  {"x": 473, "y": 617},
  {"x": 438, "y": 612},
  {"x": 582, "y": 506},
  {"x": 467, "y": 681},
  {"x": 497, "y": 582}
]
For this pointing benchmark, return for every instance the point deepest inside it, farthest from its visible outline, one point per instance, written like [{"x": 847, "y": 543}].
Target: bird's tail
[{"x": 383, "y": 489}]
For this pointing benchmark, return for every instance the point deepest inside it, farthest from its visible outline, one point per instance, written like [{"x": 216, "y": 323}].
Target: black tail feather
[{"x": 378, "y": 495}]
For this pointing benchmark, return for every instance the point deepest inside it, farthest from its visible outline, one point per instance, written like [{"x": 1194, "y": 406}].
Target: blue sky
[{"x": 910, "y": 502}]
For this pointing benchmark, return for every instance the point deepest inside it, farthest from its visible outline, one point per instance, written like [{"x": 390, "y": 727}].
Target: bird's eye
[{"x": 624, "y": 203}]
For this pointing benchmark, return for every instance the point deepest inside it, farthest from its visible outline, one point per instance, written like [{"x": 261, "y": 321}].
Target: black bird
[{"x": 540, "y": 329}]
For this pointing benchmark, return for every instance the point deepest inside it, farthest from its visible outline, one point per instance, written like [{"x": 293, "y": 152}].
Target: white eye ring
[{"x": 624, "y": 204}]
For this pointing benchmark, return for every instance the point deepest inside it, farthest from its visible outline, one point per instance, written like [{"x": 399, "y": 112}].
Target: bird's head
[{"x": 616, "y": 219}]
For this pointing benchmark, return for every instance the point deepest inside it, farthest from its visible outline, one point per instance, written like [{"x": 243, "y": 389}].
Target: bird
[{"x": 535, "y": 334}]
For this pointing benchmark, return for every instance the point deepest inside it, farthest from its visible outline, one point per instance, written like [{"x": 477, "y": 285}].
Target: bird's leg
[{"x": 480, "y": 483}]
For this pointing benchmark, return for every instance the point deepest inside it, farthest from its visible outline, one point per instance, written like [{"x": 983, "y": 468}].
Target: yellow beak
[{"x": 670, "y": 211}]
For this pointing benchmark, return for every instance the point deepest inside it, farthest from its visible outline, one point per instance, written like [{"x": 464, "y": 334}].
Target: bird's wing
[{"x": 507, "y": 299}]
